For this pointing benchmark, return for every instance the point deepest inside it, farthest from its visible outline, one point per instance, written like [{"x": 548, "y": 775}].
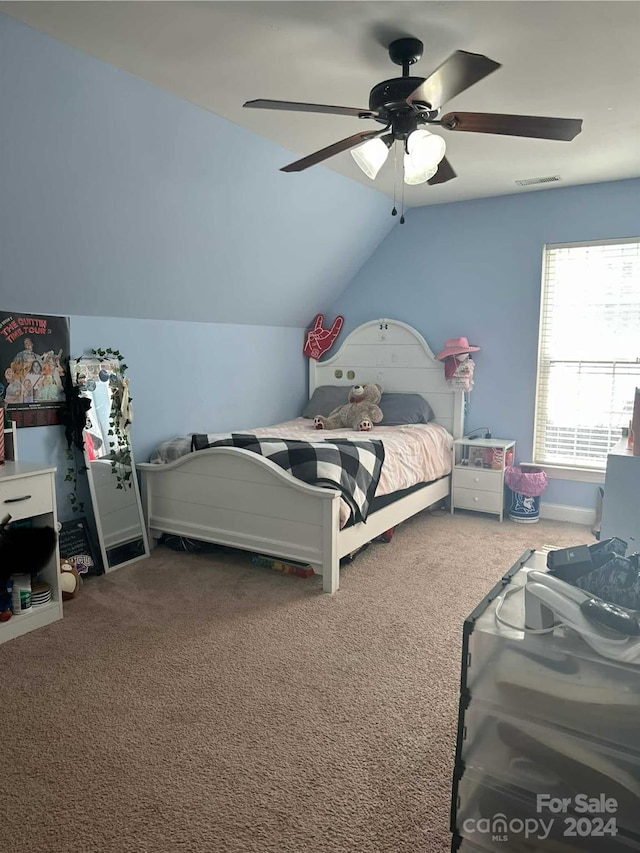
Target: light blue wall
[
  {"x": 166, "y": 232},
  {"x": 119, "y": 199},
  {"x": 474, "y": 269},
  {"x": 186, "y": 377}
]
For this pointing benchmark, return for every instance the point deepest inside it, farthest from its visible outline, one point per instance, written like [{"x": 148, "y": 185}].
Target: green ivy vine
[
  {"x": 118, "y": 428},
  {"x": 71, "y": 476}
]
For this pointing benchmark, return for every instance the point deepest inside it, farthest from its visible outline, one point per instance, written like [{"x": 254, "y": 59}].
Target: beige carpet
[{"x": 200, "y": 704}]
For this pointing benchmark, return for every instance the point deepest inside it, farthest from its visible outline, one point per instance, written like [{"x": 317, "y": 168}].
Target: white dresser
[
  {"x": 621, "y": 505},
  {"x": 27, "y": 491}
]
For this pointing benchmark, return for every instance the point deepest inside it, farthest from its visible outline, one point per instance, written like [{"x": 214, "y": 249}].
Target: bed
[{"x": 237, "y": 498}]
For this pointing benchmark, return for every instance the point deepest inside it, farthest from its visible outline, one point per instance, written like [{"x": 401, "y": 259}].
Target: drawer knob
[
  {"x": 476, "y": 500},
  {"x": 17, "y": 500},
  {"x": 476, "y": 479}
]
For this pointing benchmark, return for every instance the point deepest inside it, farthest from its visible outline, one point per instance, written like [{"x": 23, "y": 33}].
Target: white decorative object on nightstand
[
  {"x": 27, "y": 491},
  {"x": 478, "y": 474}
]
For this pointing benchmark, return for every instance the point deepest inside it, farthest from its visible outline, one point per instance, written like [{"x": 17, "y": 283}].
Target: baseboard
[{"x": 574, "y": 514}]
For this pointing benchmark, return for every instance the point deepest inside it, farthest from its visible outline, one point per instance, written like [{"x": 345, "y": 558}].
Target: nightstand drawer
[
  {"x": 26, "y": 497},
  {"x": 476, "y": 499},
  {"x": 477, "y": 479}
]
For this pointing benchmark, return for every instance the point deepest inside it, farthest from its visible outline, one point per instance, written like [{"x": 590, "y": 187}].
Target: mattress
[{"x": 414, "y": 453}]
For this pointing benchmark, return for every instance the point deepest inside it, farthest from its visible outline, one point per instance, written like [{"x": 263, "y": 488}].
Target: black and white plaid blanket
[{"x": 353, "y": 467}]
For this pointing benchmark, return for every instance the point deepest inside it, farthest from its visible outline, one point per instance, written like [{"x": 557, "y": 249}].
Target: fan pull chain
[
  {"x": 402, "y": 195},
  {"x": 394, "y": 212}
]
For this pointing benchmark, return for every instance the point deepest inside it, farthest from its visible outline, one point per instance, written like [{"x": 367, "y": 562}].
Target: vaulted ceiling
[{"x": 573, "y": 59}]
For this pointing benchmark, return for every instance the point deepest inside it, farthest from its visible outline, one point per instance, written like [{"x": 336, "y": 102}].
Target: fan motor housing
[
  {"x": 392, "y": 94},
  {"x": 389, "y": 100}
]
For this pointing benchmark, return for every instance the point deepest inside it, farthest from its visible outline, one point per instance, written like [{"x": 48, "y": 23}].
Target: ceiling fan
[{"x": 404, "y": 104}]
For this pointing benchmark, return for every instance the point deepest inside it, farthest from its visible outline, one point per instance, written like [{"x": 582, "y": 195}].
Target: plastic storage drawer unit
[
  {"x": 553, "y": 678},
  {"x": 548, "y": 730},
  {"x": 550, "y": 760}
]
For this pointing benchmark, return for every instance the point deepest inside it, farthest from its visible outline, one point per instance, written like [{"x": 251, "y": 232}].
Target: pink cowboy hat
[{"x": 456, "y": 346}]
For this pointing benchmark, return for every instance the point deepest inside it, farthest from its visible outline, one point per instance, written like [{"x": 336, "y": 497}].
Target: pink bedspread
[
  {"x": 413, "y": 454},
  {"x": 416, "y": 453}
]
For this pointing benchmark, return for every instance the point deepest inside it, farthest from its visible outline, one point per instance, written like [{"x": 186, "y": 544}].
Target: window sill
[{"x": 580, "y": 475}]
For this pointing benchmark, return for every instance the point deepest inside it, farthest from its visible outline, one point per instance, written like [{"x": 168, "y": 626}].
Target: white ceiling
[{"x": 568, "y": 59}]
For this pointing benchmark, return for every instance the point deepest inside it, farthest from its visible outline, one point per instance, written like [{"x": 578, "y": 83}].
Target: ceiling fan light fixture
[
  {"x": 371, "y": 156},
  {"x": 424, "y": 153},
  {"x": 413, "y": 176}
]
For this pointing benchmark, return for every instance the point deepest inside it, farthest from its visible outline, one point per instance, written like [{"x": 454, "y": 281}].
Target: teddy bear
[{"x": 360, "y": 413}]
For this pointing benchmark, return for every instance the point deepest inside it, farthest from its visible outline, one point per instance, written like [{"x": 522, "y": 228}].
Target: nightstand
[{"x": 477, "y": 473}]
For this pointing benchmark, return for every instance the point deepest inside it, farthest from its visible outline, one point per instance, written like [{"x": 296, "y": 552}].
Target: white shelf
[
  {"x": 27, "y": 492},
  {"x": 23, "y": 623}
]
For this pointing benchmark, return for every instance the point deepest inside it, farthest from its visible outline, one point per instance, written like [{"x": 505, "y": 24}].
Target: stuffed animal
[
  {"x": 69, "y": 580},
  {"x": 360, "y": 413}
]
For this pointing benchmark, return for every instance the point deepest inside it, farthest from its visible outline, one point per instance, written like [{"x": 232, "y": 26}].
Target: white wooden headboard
[{"x": 397, "y": 357}]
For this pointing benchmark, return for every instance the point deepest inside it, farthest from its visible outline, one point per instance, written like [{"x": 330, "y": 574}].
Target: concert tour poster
[{"x": 33, "y": 349}]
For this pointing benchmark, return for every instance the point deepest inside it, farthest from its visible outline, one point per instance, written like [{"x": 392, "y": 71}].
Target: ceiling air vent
[{"x": 527, "y": 182}]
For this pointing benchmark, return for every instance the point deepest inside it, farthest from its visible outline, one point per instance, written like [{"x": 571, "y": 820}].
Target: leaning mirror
[{"x": 108, "y": 455}]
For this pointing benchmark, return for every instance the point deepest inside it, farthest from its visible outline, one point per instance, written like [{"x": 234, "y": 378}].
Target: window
[{"x": 588, "y": 351}]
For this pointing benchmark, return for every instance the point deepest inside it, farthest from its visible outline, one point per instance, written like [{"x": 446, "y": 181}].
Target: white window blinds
[{"x": 589, "y": 351}]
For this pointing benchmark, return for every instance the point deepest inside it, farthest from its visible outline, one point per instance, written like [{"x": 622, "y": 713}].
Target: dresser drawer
[
  {"x": 477, "y": 479},
  {"x": 25, "y": 497},
  {"x": 475, "y": 499}
]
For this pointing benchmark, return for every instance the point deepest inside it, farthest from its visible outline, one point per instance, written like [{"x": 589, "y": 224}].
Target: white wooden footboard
[{"x": 237, "y": 498}]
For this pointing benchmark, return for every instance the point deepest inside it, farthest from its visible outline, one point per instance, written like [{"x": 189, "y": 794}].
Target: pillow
[
  {"x": 325, "y": 399},
  {"x": 405, "y": 409}
]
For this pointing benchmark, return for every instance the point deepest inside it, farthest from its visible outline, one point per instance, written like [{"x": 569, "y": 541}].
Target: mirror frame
[{"x": 76, "y": 366}]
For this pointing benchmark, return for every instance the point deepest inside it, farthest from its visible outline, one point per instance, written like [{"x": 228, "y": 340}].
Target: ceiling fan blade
[
  {"x": 537, "y": 127},
  {"x": 262, "y": 104},
  {"x": 445, "y": 173},
  {"x": 336, "y": 148},
  {"x": 456, "y": 74}
]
